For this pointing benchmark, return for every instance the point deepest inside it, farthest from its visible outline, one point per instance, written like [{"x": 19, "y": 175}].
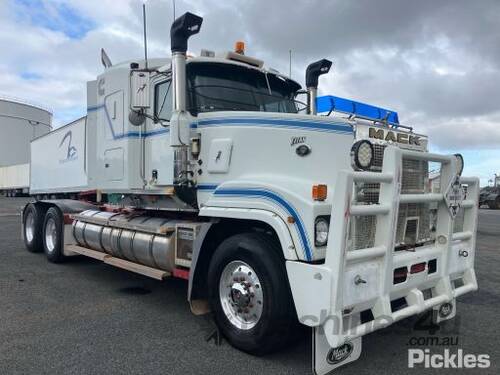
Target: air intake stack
[
  {"x": 313, "y": 71},
  {"x": 183, "y": 27}
]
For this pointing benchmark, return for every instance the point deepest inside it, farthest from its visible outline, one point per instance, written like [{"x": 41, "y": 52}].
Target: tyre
[
  {"x": 33, "y": 227},
  {"x": 53, "y": 227},
  {"x": 250, "y": 294}
]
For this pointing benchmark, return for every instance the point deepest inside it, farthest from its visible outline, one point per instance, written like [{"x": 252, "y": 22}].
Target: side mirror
[{"x": 136, "y": 118}]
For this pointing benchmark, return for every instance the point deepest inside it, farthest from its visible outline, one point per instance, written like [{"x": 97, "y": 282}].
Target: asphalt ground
[{"x": 85, "y": 317}]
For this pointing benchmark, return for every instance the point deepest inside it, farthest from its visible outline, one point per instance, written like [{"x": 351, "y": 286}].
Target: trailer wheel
[
  {"x": 53, "y": 226},
  {"x": 250, "y": 294},
  {"x": 33, "y": 228}
]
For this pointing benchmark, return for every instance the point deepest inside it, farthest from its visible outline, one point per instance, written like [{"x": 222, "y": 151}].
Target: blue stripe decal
[
  {"x": 131, "y": 134},
  {"x": 305, "y": 125},
  {"x": 269, "y": 195},
  {"x": 239, "y": 121},
  {"x": 207, "y": 187}
]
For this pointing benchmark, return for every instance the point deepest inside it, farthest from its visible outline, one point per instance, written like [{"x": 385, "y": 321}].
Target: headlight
[
  {"x": 362, "y": 155},
  {"x": 460, "y": 164},
  {"x": 321, "y": 228}
]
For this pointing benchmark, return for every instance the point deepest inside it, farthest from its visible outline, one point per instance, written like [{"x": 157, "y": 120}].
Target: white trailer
[
  {"x": 15, "y": 179},
  {"x": 204, "y": 169}
]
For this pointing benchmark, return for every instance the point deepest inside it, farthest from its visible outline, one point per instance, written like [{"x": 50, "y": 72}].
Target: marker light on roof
[{"x": 239, "y": 47}]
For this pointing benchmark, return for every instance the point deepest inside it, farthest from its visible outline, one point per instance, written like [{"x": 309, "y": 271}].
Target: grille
[
  {"x": 458, "y": 225},
  {"x": 415, "y": 221},
  {"x": 362, "y": 232},
  {"x": 415, "y": 172},
  {"x": 415, "y": 176},
  {"x": 378, "y": 156}
]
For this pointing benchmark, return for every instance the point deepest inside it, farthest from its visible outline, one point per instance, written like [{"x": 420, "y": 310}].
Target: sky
[{"x": 437, "y": 63}]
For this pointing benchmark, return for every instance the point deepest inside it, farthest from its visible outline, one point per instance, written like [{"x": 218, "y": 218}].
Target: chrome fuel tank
[{"x": 141, "y": 239}]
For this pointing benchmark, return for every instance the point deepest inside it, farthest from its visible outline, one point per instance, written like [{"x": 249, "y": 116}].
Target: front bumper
[{"x": 332, "y": 295}]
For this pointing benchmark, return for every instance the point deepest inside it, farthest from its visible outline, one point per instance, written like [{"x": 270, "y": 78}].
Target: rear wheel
[
  {"x": 53, "y": 235},
  {"x": 33, "y": 227},
  {"x": 250, "y": 294}
]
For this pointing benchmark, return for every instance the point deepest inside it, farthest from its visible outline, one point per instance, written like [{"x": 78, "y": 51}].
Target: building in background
[{"x": 20, "y": 123}]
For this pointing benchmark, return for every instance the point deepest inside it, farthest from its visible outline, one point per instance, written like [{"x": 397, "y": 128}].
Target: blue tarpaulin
[{"x": 329, "y": 103}]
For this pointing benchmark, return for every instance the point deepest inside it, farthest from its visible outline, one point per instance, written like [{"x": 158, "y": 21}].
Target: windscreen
[{"x": 224, "y": 87}]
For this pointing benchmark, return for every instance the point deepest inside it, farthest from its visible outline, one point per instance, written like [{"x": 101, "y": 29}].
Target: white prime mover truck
[{"x": 203, "y": 168}]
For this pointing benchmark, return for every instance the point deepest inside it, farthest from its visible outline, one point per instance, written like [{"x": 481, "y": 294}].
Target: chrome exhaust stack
[
  {"x": 313, "y": 71},
  {"x": 183, "y": 27}
]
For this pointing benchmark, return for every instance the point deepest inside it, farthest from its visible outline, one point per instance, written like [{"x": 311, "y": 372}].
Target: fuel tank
[{"x": 141, "y": 239}]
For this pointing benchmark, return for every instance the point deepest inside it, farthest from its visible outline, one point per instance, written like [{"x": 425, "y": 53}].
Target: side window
[{"x": 163, "y": 100}]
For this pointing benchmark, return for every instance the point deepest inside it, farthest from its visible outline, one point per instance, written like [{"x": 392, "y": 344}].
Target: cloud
[
  {"x": 435, "y": 62},
  {"x": 53, "y": 15}
]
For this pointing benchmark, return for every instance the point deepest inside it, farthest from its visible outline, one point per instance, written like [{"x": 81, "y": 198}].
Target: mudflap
[{"x": 326, "y": 359}]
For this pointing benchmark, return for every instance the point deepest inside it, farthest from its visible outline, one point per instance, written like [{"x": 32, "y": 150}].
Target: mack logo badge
[
  {"x": 339, "y": 354},
  {"x": 387, "y": 135}
]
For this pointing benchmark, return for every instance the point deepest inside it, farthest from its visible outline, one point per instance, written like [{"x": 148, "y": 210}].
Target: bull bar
[{"x": 350, "y": 281}]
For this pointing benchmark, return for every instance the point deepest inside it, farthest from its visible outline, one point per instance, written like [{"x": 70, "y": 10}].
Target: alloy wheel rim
[
  {"x": 241, "y": 295},
  {"x": 50, "y": 235},
  {"x": 29, "y": 227}
]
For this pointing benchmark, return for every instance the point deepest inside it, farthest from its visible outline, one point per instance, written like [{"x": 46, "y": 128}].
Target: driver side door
[{"x": 159, "y": 160}]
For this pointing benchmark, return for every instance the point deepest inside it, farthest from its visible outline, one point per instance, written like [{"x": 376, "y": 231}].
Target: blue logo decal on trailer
[{"x": 71, "y": 152}]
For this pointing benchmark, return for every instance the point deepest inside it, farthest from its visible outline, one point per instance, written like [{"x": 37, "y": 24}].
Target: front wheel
[
  {"x": 53, "y": 227},
  {"x": 250, "y": 294}
]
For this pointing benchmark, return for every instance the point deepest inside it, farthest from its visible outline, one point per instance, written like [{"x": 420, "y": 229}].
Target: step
[{"x": 120, "y": 263}]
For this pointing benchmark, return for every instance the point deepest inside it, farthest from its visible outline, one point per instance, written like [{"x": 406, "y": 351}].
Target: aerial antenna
[
  {"x": 145, "y": 34},
  {"x": 173, "y": 5},
  {"x": 290, "y": 63},
  {"x": 105, "y": 60}
]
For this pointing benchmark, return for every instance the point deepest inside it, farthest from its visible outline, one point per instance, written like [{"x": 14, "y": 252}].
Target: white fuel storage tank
[{"x": 20, "y": 123}]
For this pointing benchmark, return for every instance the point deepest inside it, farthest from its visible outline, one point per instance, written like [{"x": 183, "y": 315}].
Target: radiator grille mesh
[{"x": 415, "y": 221}]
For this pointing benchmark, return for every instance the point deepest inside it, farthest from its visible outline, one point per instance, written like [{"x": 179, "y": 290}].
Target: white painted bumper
[{"x": 333, "y": 294}]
